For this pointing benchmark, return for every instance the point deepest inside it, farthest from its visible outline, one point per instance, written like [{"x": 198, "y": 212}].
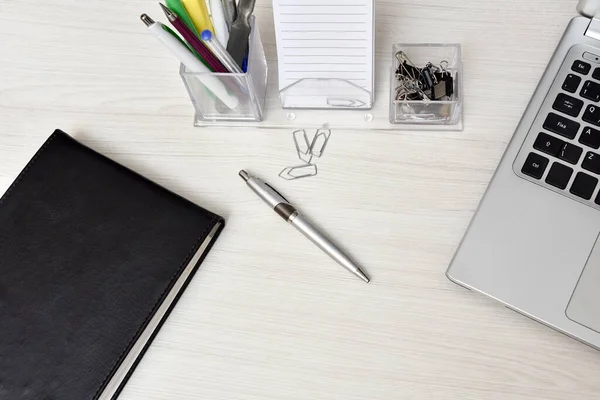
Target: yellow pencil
[{"x": 198, "y": 12}]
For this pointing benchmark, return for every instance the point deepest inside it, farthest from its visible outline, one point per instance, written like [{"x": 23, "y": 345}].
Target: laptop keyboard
[{"x": 561, "y": 151}]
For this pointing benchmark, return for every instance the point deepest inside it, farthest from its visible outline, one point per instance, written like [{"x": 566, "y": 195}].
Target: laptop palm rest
[{"x": 584, "y": 307}]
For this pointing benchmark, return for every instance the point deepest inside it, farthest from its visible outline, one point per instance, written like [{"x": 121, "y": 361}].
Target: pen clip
[{"x": 273, "y": 189}]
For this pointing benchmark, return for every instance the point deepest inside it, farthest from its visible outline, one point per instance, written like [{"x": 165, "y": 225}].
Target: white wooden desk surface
[{"x": 268, "y": 316}]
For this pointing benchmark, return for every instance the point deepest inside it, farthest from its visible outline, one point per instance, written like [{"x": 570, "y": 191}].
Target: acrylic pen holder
[
  {"x": 235, "y": 97},
  {"x": 428, "y": 114}
]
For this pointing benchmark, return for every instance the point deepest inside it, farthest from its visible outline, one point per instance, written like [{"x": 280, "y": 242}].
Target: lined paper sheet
[{"x": 325, "y": 39}]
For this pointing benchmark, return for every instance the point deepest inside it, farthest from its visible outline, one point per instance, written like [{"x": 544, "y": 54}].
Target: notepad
[{"x": 320, "y": 40}]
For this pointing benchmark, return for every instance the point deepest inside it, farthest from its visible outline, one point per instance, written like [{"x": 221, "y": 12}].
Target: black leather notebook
[{"x": 92, "y": 258}]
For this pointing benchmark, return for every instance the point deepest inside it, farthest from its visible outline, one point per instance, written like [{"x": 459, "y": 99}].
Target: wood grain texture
[{"x": 268, "y": 316}]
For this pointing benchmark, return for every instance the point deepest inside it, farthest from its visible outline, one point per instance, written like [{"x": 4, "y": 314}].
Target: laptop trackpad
[{"x": 584, "y": 307}]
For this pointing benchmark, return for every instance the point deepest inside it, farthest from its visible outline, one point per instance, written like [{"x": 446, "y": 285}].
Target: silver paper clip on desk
[{"x": 307, "y": 149}]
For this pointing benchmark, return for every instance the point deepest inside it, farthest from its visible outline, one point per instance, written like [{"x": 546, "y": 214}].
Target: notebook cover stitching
[{"x": 201, "y": 238}]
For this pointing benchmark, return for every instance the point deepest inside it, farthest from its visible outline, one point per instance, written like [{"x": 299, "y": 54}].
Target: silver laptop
[{"x": 534, "y": 242}]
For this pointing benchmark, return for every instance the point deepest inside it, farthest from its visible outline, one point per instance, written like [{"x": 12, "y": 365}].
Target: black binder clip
[
  {"x": 430, "y": 82},
  {"x": 445, "y": 85}
]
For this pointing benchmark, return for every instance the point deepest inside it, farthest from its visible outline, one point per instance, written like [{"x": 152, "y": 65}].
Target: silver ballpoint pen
[{"x": 286, "y": 211}]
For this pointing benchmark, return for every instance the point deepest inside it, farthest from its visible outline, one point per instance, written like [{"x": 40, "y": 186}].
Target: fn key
[{"x": 535, "y": 165}]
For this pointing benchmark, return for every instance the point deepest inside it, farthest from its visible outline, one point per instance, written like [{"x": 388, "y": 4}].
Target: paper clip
[
  {"x": 319, "y": 142},
  {"x": 299, "y": 172},
  {"x": 303, "y": 146},
  {"x": 307, "y": 148}
]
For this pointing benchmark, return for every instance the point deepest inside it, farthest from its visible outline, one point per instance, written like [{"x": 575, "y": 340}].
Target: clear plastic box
[
  {"x": 428, "y": 114},
  {"x": 323, "y": 93},
  {"x": 244, "y": 100}
]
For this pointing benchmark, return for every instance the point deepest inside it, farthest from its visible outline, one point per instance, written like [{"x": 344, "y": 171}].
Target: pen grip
[{"x": 285, "y": 211}]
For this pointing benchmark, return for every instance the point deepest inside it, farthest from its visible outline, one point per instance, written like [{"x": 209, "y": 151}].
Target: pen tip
[
  {"x": 244, "y": 175},
  {"x": 167, "y": 11},
  {"x": 362, "y": 276}
]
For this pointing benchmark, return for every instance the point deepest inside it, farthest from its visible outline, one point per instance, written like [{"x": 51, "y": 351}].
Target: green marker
[
  {"x": 166, "y": 28},
  {"x": 177, "y": 7}
]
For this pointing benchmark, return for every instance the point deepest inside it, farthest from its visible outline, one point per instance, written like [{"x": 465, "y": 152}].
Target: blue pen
[
  {"x": 245, "y": 63},
  {"x": 219, "y": 51}
]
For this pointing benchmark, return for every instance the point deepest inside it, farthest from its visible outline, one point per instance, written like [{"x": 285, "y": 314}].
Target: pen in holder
[{"x": 225, "y": 97}]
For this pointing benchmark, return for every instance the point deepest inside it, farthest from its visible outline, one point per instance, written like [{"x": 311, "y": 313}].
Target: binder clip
[{"x": 428, "y": 83}]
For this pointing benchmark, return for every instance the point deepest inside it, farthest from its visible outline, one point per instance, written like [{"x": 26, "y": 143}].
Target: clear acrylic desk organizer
[
  {"x": 428, "y": 114},
  {"x": 325, "y": 93},
  {"x": 249, "y": 89}
]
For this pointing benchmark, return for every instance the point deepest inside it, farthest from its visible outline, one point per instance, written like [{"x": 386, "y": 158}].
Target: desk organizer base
[{"x": 376, "y": 118}]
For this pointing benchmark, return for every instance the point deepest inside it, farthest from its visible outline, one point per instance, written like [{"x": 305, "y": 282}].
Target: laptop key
[
  {"x": 592, "y": 115},
  {"x": 591, "y": 162},
  {"x": 584, "y": 185},
  {"x": 570, "y": 153},
  {"x": 569, "y": 105},
  {"x": 597, "y": 199},
  {"x": 561, "y": 125},
  {"x": 596, "y": 74},
  {"x": 590, "y": 137},
  {"x": 571, "y": 83},
  {"x": 535, "y": 165},
  {"x": 548, "y": 144},
  {"x": 559, "y": 175},
  {"x": 590, "y": 91},
  {"x": 581, "y": 67}
]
